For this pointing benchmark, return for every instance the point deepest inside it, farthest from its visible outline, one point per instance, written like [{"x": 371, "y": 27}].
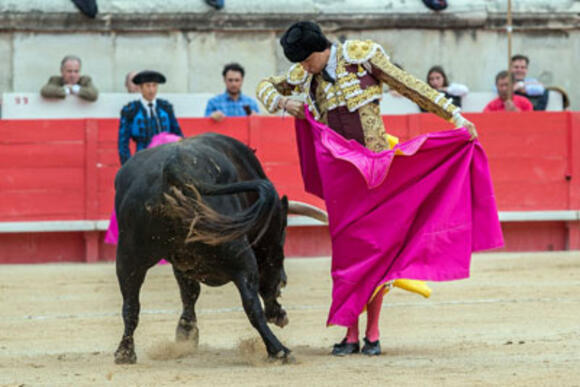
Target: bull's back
[
  {"x": 151, "y": 173},
  {"x": 242, "y": 157}
]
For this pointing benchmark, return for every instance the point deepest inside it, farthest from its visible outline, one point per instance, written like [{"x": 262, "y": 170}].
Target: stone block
[
  {"x": 166, "y": 53},
  {"x": 6, "y": 71},
  {"x": 38, "y": 56},
  {"x": 209, "y": 52}
]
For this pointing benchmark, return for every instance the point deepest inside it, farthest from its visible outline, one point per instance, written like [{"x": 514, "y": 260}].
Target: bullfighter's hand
[
  {"x": 294, "y": 108},
  {"x": 471, "y": 129}
]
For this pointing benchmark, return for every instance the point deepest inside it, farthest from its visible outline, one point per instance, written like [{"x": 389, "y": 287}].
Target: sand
[{"x": 515, "y": 322}]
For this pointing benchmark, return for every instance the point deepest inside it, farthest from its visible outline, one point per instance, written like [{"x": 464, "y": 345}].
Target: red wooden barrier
[{"x": 64, "y": 170}]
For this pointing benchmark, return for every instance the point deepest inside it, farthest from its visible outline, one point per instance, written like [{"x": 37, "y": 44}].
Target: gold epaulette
[
  {"x": 360, "y": 51},
  {"x": 296, "y": 75}
]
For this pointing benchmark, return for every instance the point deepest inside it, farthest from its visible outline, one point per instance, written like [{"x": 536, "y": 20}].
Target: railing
[{"x": 57, "y": 175}]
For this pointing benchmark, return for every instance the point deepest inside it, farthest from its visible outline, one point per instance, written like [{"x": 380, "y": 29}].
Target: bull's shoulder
[{"x": 240, "y": 155}]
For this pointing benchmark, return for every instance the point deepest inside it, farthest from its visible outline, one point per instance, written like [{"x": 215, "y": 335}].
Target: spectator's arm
[
  {"x": 88, "y": 91},
  {"x": 533, "y": 87},
  {"x": 457, "y": 90},
  {"x": 124, "y": 137},
  {"x": 210, "y": 107},
  {"x": 417, "y": 91},
  {"x": 53, "y": 89},
  {"x": 254, "y": 106}
]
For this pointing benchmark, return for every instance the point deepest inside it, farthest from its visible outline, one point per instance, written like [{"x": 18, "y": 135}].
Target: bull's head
[{"x": 271, "y": 251}]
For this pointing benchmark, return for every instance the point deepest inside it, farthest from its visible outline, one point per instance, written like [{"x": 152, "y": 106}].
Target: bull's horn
[{"x": 300, "y": 208}]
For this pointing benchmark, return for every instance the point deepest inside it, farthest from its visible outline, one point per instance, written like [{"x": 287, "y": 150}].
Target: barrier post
[
  {"x": 91, "y": 188},
  {"x": 573, "y": 228},
  {"x": 91, "y": 246}
]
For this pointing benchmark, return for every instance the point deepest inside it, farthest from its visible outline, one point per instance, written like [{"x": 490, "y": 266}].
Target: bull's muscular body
[{"x": 199, "y": 204}]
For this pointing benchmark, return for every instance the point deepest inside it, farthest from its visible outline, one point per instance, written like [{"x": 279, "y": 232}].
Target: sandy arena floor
[{"x": 515, "y": 322}]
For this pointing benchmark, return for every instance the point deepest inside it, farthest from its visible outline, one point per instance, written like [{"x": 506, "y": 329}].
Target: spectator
[
  {"x": 87, "y": 7},
  {"x": 435, "y": 5},
  {"x": 232, "y": 103},
  {"x": 129, "y": 84},
  {"x": 144, "y": 118},
  {"x": 502, "y": 103},
  {"x": 70, "y": 82},
  {"x": 437, "y": 79},
  {"x": 217, "y": 4},
  {"x": 525, "y": 86}
]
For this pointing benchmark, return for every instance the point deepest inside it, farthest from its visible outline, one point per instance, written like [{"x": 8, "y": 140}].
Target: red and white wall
[{"x": 56, "y": 179}]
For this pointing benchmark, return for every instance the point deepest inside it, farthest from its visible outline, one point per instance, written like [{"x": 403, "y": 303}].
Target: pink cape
[
  {"x": 112, "y": 235},
  {"x": 416, "y": 215}
]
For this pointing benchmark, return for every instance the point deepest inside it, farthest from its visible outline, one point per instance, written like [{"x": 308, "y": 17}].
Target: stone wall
[{"x": 190, "y": 42}]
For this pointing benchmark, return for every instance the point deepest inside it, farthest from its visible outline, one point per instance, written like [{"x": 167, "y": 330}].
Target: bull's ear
[{"x": 284, "y": 202}]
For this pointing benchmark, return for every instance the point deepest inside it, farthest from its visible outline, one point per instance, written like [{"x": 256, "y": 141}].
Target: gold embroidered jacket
[{"x": 362, "y": 67}]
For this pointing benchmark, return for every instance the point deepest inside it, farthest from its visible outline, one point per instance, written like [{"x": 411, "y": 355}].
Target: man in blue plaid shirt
[{"x": 232, "y": 103}]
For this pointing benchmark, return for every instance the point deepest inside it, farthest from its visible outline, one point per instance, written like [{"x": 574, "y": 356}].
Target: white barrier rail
[
  {"x": 293, "y": 221},
  {"x": 187, "y": 105}
]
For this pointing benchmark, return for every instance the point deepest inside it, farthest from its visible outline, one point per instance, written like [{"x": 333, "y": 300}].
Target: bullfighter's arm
[
  {"x": 406, "y": 84},
  {"x": 124, "y": 137},
  {"x": 271, "y": 90},
  {"x": 173, "y": 124}
]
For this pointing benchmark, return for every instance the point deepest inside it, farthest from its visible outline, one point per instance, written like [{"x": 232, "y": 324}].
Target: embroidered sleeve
[
  {"x": 270, "y": 90},
  {"x": 412, "y": 88}
]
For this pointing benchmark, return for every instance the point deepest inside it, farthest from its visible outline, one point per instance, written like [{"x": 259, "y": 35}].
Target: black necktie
[
  {"x": 154, "y": 119},
  {"x": 326, "y": 76}
]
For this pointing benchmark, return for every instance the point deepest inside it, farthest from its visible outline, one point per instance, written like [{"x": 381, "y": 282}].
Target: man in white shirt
[{"x": 526, "y": 86}]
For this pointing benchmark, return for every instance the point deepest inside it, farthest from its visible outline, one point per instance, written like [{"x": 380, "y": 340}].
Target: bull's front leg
[
  {"x": 271, "y": 284},
  {"x": 189, "y": 289},
  {"x": 130, "y": 278},
  {"x": 247, "y": 284}
]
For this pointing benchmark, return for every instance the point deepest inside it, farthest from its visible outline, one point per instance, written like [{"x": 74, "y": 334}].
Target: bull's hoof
[
  {"x": 125, "y": 356},
  {"x": 187, "y": 331},
  {"x": 284, "y": 356},
  {"x": 281, "y": 319}
]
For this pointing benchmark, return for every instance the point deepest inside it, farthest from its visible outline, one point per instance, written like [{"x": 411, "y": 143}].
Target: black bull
[{"x": 205, "y": 205}]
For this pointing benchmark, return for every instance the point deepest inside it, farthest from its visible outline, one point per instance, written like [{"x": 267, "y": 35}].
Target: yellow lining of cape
[{"x": 415, "y": 286}]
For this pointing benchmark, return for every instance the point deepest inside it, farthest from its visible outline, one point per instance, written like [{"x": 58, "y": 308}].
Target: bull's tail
[{"x": 208, "y": 226}]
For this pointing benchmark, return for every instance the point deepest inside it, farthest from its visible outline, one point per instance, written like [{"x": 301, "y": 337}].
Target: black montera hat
[
  {"x": 148, "y": 76},
  {"x": 302, "y": 39}
]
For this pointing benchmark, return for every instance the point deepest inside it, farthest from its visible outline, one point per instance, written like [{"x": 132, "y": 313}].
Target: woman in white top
[{"x": 437, "y": 79}]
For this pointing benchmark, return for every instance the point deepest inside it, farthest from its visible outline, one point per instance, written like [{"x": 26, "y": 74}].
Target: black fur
[{"x": 205, "y": 205}]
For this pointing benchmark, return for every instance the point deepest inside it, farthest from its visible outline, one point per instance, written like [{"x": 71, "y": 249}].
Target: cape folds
[{"x": 417, "y": 211}]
